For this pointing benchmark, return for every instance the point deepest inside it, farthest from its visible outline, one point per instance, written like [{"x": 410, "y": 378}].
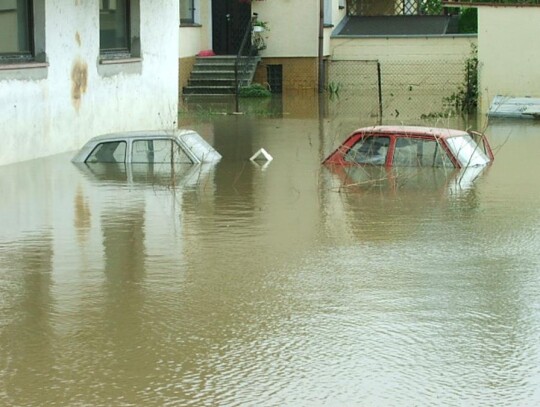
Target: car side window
[
  {"x": 369, "y": 150},
  {"x": 109, "y": 152},
  {"x": 417, "y": 152},
  {"x": 158, "y": 151}
]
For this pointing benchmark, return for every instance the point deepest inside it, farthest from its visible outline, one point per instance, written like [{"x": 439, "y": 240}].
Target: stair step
[
  {"x": 216, "y": 82},
  {"x": 219, "y": 75},
  {"x": 206, "y": 68},
  {"x": 212, "y": 82},
  {"x": 216, "y": 75},
  {"x": 224, "y": 58},
  {"x": 202, "y": 90}
]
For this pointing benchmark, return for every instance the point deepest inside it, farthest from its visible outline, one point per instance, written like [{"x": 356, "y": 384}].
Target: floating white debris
[
  {"x": 518, "y": 107},
  {"x": 261, "y": 155}
]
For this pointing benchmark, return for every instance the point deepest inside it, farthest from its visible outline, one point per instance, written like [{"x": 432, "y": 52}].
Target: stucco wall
[
  {"x": 437, "y": 48},
  {"x": 294, "y": 26},
  {"x": 57, "y": 108},
  {"x": 192, "y": 40},
  {"x": 197, "y": 37},
  {"x": 508, "y": 53},
  {"x": 426, "y": 64}
]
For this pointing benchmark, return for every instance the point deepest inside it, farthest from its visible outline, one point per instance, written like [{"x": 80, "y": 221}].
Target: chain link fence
[
  {"x": 393, "y": 7},
  {"x": 399, "y": 89}
]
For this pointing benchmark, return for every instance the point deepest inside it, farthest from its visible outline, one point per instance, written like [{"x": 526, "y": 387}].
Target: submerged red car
[{"x": 412, "y": 146}]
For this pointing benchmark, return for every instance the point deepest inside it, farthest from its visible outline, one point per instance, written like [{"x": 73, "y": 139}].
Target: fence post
[{"x": 379, "y": 82}]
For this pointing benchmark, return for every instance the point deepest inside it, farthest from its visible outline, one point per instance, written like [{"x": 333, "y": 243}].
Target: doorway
[{"x": 229, "y": 22}]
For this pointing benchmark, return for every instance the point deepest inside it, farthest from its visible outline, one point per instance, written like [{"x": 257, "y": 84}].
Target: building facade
[
  {"x": 71, "y": 71},
  {"x": 507, "y": 54},
  {"x": 292, "y": 41}
]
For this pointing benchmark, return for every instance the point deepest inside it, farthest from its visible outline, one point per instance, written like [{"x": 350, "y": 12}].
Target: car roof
[
  {"x": 140, "y": 134},
  {"x": 413, "y": 131},
  {"x": 190, "y": 141}
]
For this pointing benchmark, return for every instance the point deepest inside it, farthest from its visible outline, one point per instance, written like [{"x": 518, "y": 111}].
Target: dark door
[{"x": 229, "y": 21}]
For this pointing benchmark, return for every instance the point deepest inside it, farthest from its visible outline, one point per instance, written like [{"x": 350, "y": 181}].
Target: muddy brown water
[{"x": 279, "y": 285}]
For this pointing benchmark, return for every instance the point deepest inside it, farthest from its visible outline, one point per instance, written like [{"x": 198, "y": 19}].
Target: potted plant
[{"x": 260, "y": 26}]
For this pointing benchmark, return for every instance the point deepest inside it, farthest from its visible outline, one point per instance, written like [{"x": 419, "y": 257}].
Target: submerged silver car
[{"x": 148, "y": 147}]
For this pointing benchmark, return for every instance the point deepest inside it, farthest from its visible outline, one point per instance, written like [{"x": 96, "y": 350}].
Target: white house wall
[
  {"x": 192, "y": 40},
  {"x": 197, "y": 37},
  {"x": 294, "y": 27},
  {"x": 53, "y": 109},
  {"x": 338, "y": 12},
  {"x": 508, "y": 53}
]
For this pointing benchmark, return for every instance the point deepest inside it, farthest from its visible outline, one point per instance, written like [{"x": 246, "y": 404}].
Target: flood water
[{"x": 284, "y": 284}]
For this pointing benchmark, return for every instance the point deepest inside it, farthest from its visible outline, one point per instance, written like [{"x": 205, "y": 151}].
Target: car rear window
[
  {"x": 158, "y": 151},
  {"x": 418, "y": 152}
]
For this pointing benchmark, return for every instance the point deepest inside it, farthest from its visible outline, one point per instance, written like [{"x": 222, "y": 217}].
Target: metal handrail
[{"x": 245, "y": 45}]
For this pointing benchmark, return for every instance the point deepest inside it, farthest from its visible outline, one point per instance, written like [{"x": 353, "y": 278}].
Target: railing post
[
  {"x": 379, "y": 83},
  {"x": 241, "y": 51},
  {"x": 237, "y": 88}
]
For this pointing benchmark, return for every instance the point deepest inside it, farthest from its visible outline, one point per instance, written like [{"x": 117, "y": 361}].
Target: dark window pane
[
  {"x": 158, "y": 151},
  {"x": 111, "y": 152},
  {"x": 16, "y": 27},
  {"x": 187, "y": 11},
  {"x": 274, "y": 74},
  {"x": 114, "y": 25}
]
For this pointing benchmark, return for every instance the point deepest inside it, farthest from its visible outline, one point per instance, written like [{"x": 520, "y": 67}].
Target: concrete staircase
[{"x": 215, "y": 75}]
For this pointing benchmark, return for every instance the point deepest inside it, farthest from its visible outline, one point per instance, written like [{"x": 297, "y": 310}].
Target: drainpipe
[{"x": 321, "y": 46}]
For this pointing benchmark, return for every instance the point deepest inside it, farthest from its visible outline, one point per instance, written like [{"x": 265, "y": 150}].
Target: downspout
[{"x": 321, "y": 46}]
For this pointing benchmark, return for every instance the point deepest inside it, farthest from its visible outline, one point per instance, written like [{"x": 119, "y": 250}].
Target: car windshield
[{"x": 467, "y": 152}]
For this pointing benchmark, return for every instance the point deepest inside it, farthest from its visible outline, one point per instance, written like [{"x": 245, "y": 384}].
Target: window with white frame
[
  {"x": 188, "y": 12},
  {"x": 119, "y": 28}
]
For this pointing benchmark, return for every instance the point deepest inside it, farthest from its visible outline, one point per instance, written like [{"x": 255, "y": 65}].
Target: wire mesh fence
[
  {"x": 398, "y": 89},
  {"x": 417, "y": 7},
  {"x": 394, "y": 7}
]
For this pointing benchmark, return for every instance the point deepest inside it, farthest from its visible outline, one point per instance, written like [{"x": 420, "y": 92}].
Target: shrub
[{"x": 255, "y": 90}]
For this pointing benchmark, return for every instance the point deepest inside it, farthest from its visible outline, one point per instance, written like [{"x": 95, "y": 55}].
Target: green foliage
[
  {"x": 465, "y": 100},
  {"x": 333, "y": 89},
  {"x": 255, "y": 90},
  {"x": 263, "y": 24},
  {"x": 468, "y": 21},
  {"x": 431, "y": 7}
]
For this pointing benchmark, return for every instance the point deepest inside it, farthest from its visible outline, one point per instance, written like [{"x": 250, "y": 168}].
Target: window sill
[
  {"x": 192, "y": 25},
  {"x": 24, "y": 71},
  {"x": 119, "y": 61},
  {"x": 115, "y": 65},
  {"x": 22, "y": 65}
]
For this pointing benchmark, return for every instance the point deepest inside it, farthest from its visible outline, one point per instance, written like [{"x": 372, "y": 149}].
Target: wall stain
[
  {"x": 78, "y": 38},
  {"x": 79, "y": 82}
]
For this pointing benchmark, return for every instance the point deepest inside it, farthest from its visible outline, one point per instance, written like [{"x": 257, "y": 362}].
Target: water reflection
[
  {"x": 28, "y": 308},
  {"x": 292, "y": 285}
]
